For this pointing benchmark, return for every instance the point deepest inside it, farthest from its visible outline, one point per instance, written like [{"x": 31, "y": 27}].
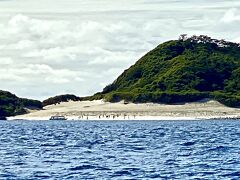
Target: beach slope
[{"x": 100, "y": 110}]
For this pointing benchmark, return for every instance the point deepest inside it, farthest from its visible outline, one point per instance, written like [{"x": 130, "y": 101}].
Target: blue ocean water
[{"x": 120, "y": 149}]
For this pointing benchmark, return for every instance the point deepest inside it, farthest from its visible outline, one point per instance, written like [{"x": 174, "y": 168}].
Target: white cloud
[
  {"x": 231, "y": 15},
  {"x": 6, "y": 61}
]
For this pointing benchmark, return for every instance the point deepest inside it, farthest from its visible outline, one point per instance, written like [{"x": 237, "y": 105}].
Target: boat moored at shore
[{"x": 58, "y": 118}]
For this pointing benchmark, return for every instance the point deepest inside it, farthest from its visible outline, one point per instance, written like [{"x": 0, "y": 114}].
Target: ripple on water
[
  {"x": 120, "y": 150},
  {"x": 232, "y": 174},
  {"x": 82, "y": 167},
  {"x": 189, "y": 143},
  {"x": 122, "y": 173}
]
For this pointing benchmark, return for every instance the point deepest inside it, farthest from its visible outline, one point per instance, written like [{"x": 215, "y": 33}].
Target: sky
[{"x": 53, "y": 47}]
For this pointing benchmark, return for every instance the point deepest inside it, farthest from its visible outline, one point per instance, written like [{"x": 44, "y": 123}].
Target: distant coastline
[
  {"x": 184, "y": 71},
  {"x": 100, "y": 110}
]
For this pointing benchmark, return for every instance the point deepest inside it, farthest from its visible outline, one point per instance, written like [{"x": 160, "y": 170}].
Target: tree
[{"x": 183, "y": 37}]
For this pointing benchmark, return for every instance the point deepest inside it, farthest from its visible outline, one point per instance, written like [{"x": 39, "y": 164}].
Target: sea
[{"x": 206, "y": 149}]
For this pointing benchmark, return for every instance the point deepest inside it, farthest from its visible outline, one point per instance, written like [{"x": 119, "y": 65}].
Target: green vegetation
[
  {"x": 11, "y": 105},
  {"x": 59, "y": 99},
  {"x": 184, "y": 70},
  {"x": 177, "y": 71}
]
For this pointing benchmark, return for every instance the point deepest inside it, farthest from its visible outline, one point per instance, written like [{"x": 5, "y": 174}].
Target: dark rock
[{"x": 3, "y": 118}]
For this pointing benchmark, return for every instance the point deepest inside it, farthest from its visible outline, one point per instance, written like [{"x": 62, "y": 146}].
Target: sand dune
[{"x": 94, "y": 110}]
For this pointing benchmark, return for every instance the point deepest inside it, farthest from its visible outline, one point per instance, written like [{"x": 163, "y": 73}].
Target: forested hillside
[
  {"x": 183, "y": 70},
  {"x": 11, "y": 105}
]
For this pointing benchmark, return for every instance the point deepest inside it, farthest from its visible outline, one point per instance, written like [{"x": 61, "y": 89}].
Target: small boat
[{"x": 58, "y": 118}]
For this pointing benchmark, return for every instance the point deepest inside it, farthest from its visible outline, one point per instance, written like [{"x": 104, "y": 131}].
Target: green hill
[
  {"x": 184, "y": 70},
  {"x": 11, "y": 105},
  {"x": 59, "y": 99}
]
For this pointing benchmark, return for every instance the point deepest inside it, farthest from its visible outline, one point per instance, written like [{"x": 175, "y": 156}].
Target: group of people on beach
[{"x": 105, "y": 116}]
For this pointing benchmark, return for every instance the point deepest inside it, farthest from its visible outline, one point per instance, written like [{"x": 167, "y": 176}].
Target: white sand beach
[{"x": 100, "y": 110}]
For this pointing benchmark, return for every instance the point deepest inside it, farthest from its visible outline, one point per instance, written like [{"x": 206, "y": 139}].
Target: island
[{"x": 195, "y": 77}]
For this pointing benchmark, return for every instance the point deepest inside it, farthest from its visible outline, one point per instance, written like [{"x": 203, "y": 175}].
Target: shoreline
[
  {"x": 100, "y": 110},
  {"x": 140, "y": 118}
]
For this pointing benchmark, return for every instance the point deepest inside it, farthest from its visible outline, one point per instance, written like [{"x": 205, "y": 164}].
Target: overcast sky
[{"x": 52, "y": 47}]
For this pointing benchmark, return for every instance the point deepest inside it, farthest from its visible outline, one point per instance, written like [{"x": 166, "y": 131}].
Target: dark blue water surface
[{"x": 120, "y": 150}]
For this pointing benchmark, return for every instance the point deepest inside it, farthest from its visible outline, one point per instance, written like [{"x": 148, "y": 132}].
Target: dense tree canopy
[
  {"x": 11, "y": 105},
  {"x": 59, "y": 99},
  {"x": 183, "y": 70}
]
